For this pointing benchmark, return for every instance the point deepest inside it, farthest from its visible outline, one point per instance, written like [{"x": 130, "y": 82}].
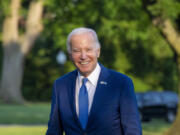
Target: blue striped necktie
[{"x": 83, "y": 104}]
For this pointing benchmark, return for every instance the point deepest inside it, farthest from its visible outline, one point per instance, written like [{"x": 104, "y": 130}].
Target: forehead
[{"x": 83, "y": 38}]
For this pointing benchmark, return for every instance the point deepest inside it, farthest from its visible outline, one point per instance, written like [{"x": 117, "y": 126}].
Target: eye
[
  {"x": 76, "y": 50},
  {"x": 89, "y": 49}
]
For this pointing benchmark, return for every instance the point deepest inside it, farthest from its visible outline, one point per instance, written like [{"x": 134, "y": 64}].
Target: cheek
[{"x": 74, "y": 58}]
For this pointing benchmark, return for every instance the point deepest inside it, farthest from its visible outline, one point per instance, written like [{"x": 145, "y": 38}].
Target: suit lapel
[
  {"x": 101, "y": 86},
  {"x": 71, "y": 90}
]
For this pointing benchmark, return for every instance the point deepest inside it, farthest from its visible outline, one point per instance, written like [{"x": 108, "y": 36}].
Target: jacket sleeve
[
  {"x": 54, "y": 124},
  {"x": 129, "y": 111}
]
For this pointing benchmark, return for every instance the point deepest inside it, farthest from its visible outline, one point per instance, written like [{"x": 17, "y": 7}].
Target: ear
[
  {"x": 98, "y": 52},
  {"x": 70, "y": 56}
]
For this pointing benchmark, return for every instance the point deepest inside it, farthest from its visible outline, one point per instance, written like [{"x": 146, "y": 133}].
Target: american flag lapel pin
[{"x": 102, "y": 82}]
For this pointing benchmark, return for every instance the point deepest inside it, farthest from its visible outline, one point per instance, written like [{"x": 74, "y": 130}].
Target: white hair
[{"x": 79, "y": 31}]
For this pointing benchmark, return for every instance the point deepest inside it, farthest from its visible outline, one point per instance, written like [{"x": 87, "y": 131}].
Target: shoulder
[
  {"x": 114, "y": 75},
  {"x": 66, "y": 77},
  {"x": 119, "y": 76},
  {"x": 122, "y": 82}
]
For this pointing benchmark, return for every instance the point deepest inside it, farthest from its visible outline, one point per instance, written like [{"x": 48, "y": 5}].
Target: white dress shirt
[{"x": 90, "y": 85}]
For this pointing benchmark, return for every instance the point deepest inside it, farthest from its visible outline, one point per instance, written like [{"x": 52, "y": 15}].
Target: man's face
[{"x": 84, "y": 53}]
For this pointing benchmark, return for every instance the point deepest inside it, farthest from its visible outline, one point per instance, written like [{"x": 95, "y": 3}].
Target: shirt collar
[{"x": 93, "y": 77}]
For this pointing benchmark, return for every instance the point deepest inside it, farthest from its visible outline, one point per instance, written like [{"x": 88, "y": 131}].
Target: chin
[{"x": 84, "y": 73}]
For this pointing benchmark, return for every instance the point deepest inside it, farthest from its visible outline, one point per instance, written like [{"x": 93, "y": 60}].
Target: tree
[
  {"x": 128, "y": 38},
  {"x": 165, "y": 15},
  {"x": 17, "y": 45}
]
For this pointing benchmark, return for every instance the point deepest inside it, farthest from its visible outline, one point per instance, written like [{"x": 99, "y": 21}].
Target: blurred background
[{"x": 138, "y": 38}]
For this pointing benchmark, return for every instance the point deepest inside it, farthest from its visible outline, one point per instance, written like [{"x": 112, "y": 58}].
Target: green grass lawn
[
  {"x": 154, "y": 129},
  {"x": 23, "y": 130},
  {"x": 24, "y": 114},
  {"x": 30, "y": 115}
]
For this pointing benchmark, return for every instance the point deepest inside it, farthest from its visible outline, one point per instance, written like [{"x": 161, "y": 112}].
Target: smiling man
[
  {"x": 84, "y": 52},
  {"x": 92, "y": 100}
]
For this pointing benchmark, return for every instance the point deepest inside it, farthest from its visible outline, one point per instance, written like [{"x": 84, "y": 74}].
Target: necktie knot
[{"x": 84, "y": 80}]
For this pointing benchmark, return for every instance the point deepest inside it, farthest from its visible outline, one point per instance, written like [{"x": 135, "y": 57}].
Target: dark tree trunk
[
  {"x": 16, "y": 47},
  {"x": 12, "y": 72}
]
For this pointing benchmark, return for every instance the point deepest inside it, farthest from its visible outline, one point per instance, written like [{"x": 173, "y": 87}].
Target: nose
[{"x": 83, "y": 55}]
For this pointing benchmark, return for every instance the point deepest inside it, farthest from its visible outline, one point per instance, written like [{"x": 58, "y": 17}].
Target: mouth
[{"x": 84, "y": 63}]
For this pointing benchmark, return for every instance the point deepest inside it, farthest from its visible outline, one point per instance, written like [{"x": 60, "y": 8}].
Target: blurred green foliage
[
  {"x": 166, "y": 8},
  {"x": 130, "y": 43}
]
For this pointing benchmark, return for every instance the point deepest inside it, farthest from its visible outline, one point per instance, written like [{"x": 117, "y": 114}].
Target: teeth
[{"x": 83, "y": 63}]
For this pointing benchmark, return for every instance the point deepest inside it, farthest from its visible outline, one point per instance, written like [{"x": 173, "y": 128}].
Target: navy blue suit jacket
[{"x": 113, "y": 112}]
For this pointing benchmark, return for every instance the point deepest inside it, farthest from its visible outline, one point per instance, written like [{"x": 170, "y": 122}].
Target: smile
[{"x": 84, "y": 63}]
